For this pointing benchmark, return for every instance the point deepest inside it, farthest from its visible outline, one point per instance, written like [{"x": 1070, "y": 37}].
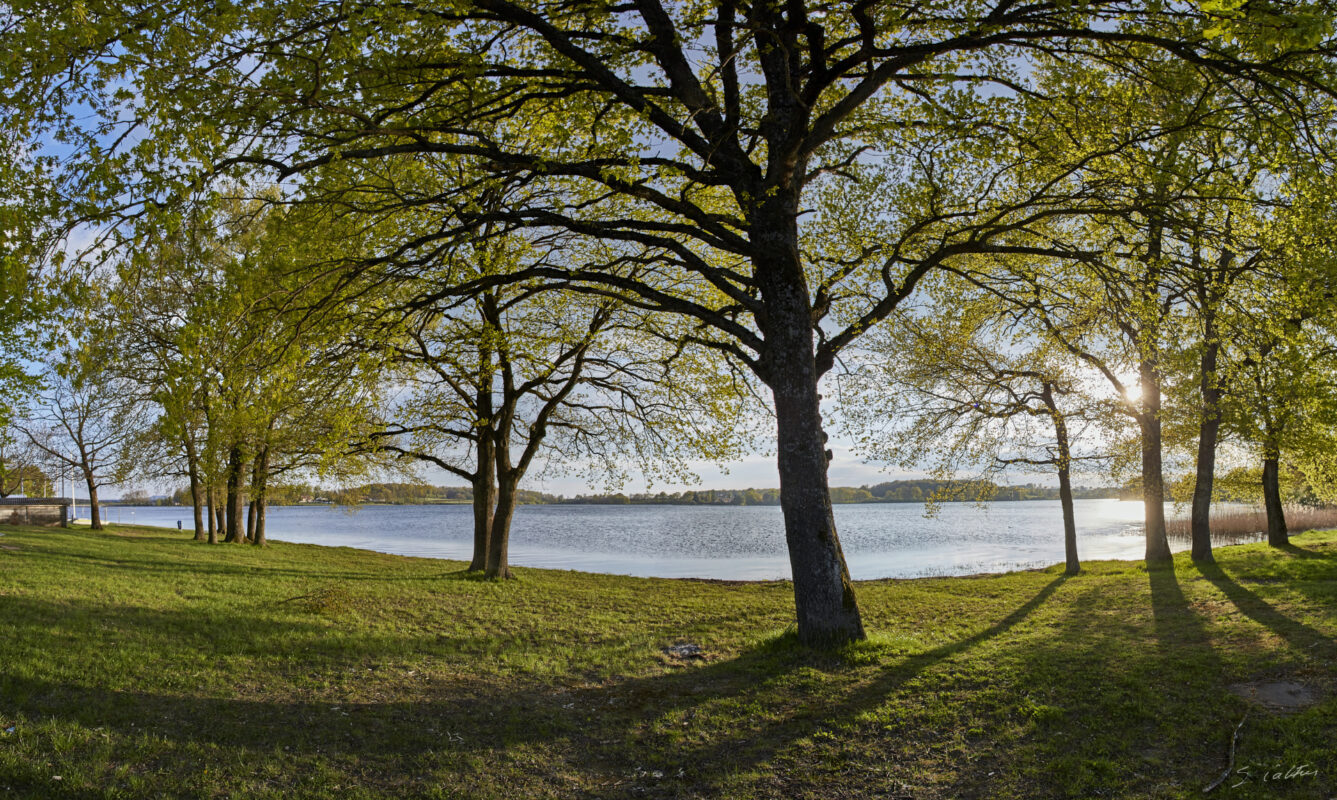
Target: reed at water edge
[{"x": 1238, "y": 527}]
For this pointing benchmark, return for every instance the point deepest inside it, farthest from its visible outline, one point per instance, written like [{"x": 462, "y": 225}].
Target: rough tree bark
[
  {"x": 484, "y": 500},
  {"x": 1277, "y": 534},
  {"x": 233, "y": 502},
  {"x": 823, "y": 592},
  {"x": 213, "y": 517},
  {"x": 1073, "y": 564},
  {"x": 484, "y": 483},
  {"x": 259, "y": 490},
  {"x": 1153, "y": 480},
  {"x": 251, "y": 509},
  {"x": 193, "y": 469},
  {"x": 1208, "y": 434},
  {"x": 498, "y": 551},
  {"x": 94, "y": 509}
]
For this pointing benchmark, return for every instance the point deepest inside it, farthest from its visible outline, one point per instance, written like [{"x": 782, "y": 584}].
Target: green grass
[{"x": 136, "y": 663}]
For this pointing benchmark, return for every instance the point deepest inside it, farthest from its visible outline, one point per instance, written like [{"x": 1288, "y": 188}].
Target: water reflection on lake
[{"x": 885, "y": 540}]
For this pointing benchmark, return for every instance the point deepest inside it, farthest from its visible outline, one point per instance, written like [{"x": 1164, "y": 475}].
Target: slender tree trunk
[
  {"x": 1153, "y": 481},
  {"x": 484, "y": 483},
  {"x": 824, "y": 601},
  {"x": 251, "y": 509},
  {"x": 234, "y": 469},
  {"x": 1074, "y": 565},
  {"x": 259, "y": 486},
  {"x": 1277, "y": 535},
  {"x": 260, "y": 539},
  {"x": 485, "y": 500},
  {"x": 220, "y": 514},
  {"x": 1147, "y": 339},
  {"x": 1208, "y": 433},
  {"x": 193, "y": 468},
  {"x": 94, "y": 510},
  {"x": 498, "y": 549},
  {"x": 213, "y": 517}
]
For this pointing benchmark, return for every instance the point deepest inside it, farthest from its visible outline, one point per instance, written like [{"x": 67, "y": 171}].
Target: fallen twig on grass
[
  {"x": 1230, "y": 763},
  {"x": 298, "y": 597}
]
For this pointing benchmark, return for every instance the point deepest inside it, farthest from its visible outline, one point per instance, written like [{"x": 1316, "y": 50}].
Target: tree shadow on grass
[
  {"x": 606, "y": 730},
  {"x": 1291, "y": 548},
  {"x": 1298, "y": 635},
  {"x": 1143, "y": 693},
  {"x": 787, "y": 711},
  {"x": 1176, "y": 624}
]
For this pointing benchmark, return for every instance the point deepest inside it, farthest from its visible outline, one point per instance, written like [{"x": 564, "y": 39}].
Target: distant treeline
[
  {"x": 1239, "y": 488},
  {"x": 376, "y": 493},
  {"x": 911, "y": 491}
]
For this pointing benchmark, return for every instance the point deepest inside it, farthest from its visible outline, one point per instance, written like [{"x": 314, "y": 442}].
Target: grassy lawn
[{"x": 136, "y": 663}]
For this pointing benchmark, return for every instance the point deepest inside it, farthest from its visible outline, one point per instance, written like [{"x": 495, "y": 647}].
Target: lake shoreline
[
  {"x": 82, "y": 524},
  {"x": 882, "y": 540}
]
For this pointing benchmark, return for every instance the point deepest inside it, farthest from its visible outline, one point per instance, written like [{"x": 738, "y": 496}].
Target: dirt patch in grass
[{"x": 1283, "y": 697}]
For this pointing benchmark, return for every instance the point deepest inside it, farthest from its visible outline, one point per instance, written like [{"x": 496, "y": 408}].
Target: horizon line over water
[{"x": 880, "y": 540}]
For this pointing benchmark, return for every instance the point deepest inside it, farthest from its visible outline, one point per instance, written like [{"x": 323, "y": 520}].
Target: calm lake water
[{"x": 740, "y": 543}]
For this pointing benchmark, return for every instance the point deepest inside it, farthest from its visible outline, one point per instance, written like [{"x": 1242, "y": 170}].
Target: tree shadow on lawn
[
  {"x": 786, "y": 710},
  {"x": 1300, "y": 637},
  {"x": 1293, "y": 549},
  {"x": 774, "y": 708},
  {"x": 1120, "y": 694},
  {"x": 606, "y": 730},
  {"x": 1146, "y": 682}
]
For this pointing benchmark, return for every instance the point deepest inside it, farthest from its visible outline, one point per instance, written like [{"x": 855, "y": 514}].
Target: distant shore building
[{"x": 47, "y": 511}]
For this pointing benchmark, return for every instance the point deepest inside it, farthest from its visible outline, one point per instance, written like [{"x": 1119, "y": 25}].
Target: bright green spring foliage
[
  {"x": 670, "y": 129},
  {"x": 214, "y": 323},
  {"x": 953, "y": 384}
]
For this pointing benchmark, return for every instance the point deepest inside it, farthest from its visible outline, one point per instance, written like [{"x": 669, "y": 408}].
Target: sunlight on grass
[{"x": 139, "y": 664}]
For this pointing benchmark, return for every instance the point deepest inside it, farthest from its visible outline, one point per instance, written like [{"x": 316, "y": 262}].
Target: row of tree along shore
[
  {"x": 899, "y": 491},
  {"x": 903, "y": 491}
]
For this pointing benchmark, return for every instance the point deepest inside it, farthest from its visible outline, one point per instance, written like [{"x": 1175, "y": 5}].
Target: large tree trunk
[
  {"x": 1208, "y": 433},
  {"x": 1153, "y": 481},
  {"x": 824, "y": 601},
  {"x": 1073, "y": 565},
  {"x": 94, "y": 510},
  {"x": 234, "y": 468},
  {"x": 213, "y": 517},
  {"x": 193, "y": 469},
  {"x": 498, "y": 547},
  {"x": 1277, "y": 535},
  {"x": 259, "y": 487}
]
